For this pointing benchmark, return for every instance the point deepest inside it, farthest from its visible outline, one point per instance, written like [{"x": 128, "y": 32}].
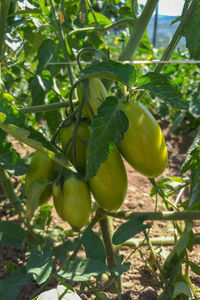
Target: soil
[{"x": 138, "y": 282}]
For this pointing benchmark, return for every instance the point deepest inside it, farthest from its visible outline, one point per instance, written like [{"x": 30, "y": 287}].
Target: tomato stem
[{"x": 111, "y": 250}]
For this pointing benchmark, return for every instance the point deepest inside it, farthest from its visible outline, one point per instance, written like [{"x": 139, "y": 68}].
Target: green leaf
[
  {"x": 35, "y": 189},
  {"x": 40, "y": 265},
  {"x": 194, "y": 267},
  {"x": 10, "y": 160},
  {"x": 60, "y": 251},
  {"x": 192, "y": 34},
  {"x": 83, "y": 269},
  {"x": 48, "y": 52},
  {"x": 10, "y": 286},
  {"x": 119, "y": 270},
  {"x": 162, "y": 87},
  {"x": 93, "y": 245},
  {"x": 108, "y": 128},
  {"x": 43, "y": 216},
  {"x": 128, "y": 230},
  {"x": 194, "y": 108},
  {"x": 8, "y": 113},
  {"x": 12, "y": 234},
  {"x": 181, "y": 245},
  {"x": 181, "y": 287},
  {"x": 40, "y": 85},
  {"x": 101, "y": 19},
  {"x": 15, "y": 42},
  {"x": 124, "y": 73}
]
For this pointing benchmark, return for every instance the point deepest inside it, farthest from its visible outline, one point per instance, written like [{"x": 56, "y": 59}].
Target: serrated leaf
[
  {"x": 108, "y": 128},
  {"x": 43, "y": 216},
  {"x": 83, "y": 269},
  {"x": 10, "y": 160},
  {"x": 194, "y": 267},
  {"x": 116, "y": 71},
  {"x": 101, "y": 19},
  {"x": 181, "y": 287},
  {"x": 93, "y": 245},
  {"x": 47, "y": 53},
  {"x": 9, "y": 287},
  {"x": 194, "y": 108},
  {"x": 40, "y": 85},
  {"x": 8, "y": 113},
  {"x": 183, "y": 242},
  {"x": 119, "y": 270},
  {"x": 40, "y": 265},
  {"x": 35, "y": 189},
  {"x": 162, "y": 87},
  {"x": 192, "y": 34},
  {"x": 60, "y": 251},
  {"x": 12, "y": 234},
  {"x": 128, "y": 230},
  {"x": 35, "y": 139}
]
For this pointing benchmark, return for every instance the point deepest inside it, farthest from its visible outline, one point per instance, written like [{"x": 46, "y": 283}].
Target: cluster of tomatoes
[{"x": 143, "y": 147}]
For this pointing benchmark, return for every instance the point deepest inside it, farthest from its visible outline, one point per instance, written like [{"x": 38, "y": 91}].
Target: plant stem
[
  {"x": 9, "y": 192},
  {"x": 138, "y": 30},
  {"x": 45, "y": 107},
  {"x": 156, "y": 216},
  {"x": 62, "y": 41},
  {"x": 4, "y": 7},
  {"x": 178, "y": 34},
  {"x": 111, "y": 250}
]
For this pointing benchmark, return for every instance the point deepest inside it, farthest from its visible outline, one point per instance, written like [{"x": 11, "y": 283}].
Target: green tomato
[
  {"x": 73, "y": 202},
  {"x": 82, "y": 136},
  {"x": 96, "y": 94},
  {"x": 143, "y": 146},
  {"x": 109, "y": 185},
  {"x": 41, "y": 170}
]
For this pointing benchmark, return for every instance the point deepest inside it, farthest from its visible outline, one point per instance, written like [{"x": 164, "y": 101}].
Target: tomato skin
[
  {"x": 82, "y": 136},
  {"x": 73, "y": 202},
  {"x": 109, "y": 186},
  {"x": 96, "y": 94},
  {"x": 41, "y": 170},
  {"x": 143, "y": 146}
]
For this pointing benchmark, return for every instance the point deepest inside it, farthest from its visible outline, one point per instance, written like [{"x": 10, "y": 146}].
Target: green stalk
[
  {"x": 156, "y": 215},
  {"x": 178, "y": 34},
  {"x": 111, "y": 250},
  {"x": 45, "y": 107},
  {"x": 138, "y": 30},
  {"x": 4, "y": 7},
  {"x": 9, "y": 192},
  {"x": 62, "y": 42}
]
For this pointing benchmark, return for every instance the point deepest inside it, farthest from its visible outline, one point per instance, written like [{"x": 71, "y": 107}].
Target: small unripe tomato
[
  {"x": 143, "y": 146},
  {"x": 109, "y": 185},
  {"x": 82, "y": 136},
  {"x": 96, "y": 94},
  {"x": 41, "y": 170},
  {"x": 72, "y": 201}
]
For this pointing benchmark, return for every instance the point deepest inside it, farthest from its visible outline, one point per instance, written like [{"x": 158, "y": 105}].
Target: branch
[
  {"x": 178, "y": 34},
  {"x": 155, "y": 216},
  {"x": 138, "y": 30},
  {"x": 4, "y": 7}
]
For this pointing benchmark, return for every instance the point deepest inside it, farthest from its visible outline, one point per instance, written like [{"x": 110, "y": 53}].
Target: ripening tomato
[
  {"x": 72, "y": 201},
  {"x": 109, "y": 185},
  {"x": 82, "y": 136},
  {"x": 96, "y": 94},
  {"x": 143, "y": 145},
  {"x": 41, "y": 170}
]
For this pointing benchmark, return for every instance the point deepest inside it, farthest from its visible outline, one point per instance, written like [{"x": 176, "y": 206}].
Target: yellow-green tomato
[
  {"x": 41, "y": 170},
  {"x": 82, "y": 136},
  {"x": 143, "y": 145},
  {"x": 96, "y": 94},
  {"x": 73, "y": 202},
  {"x": 109, "y": 186}
]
